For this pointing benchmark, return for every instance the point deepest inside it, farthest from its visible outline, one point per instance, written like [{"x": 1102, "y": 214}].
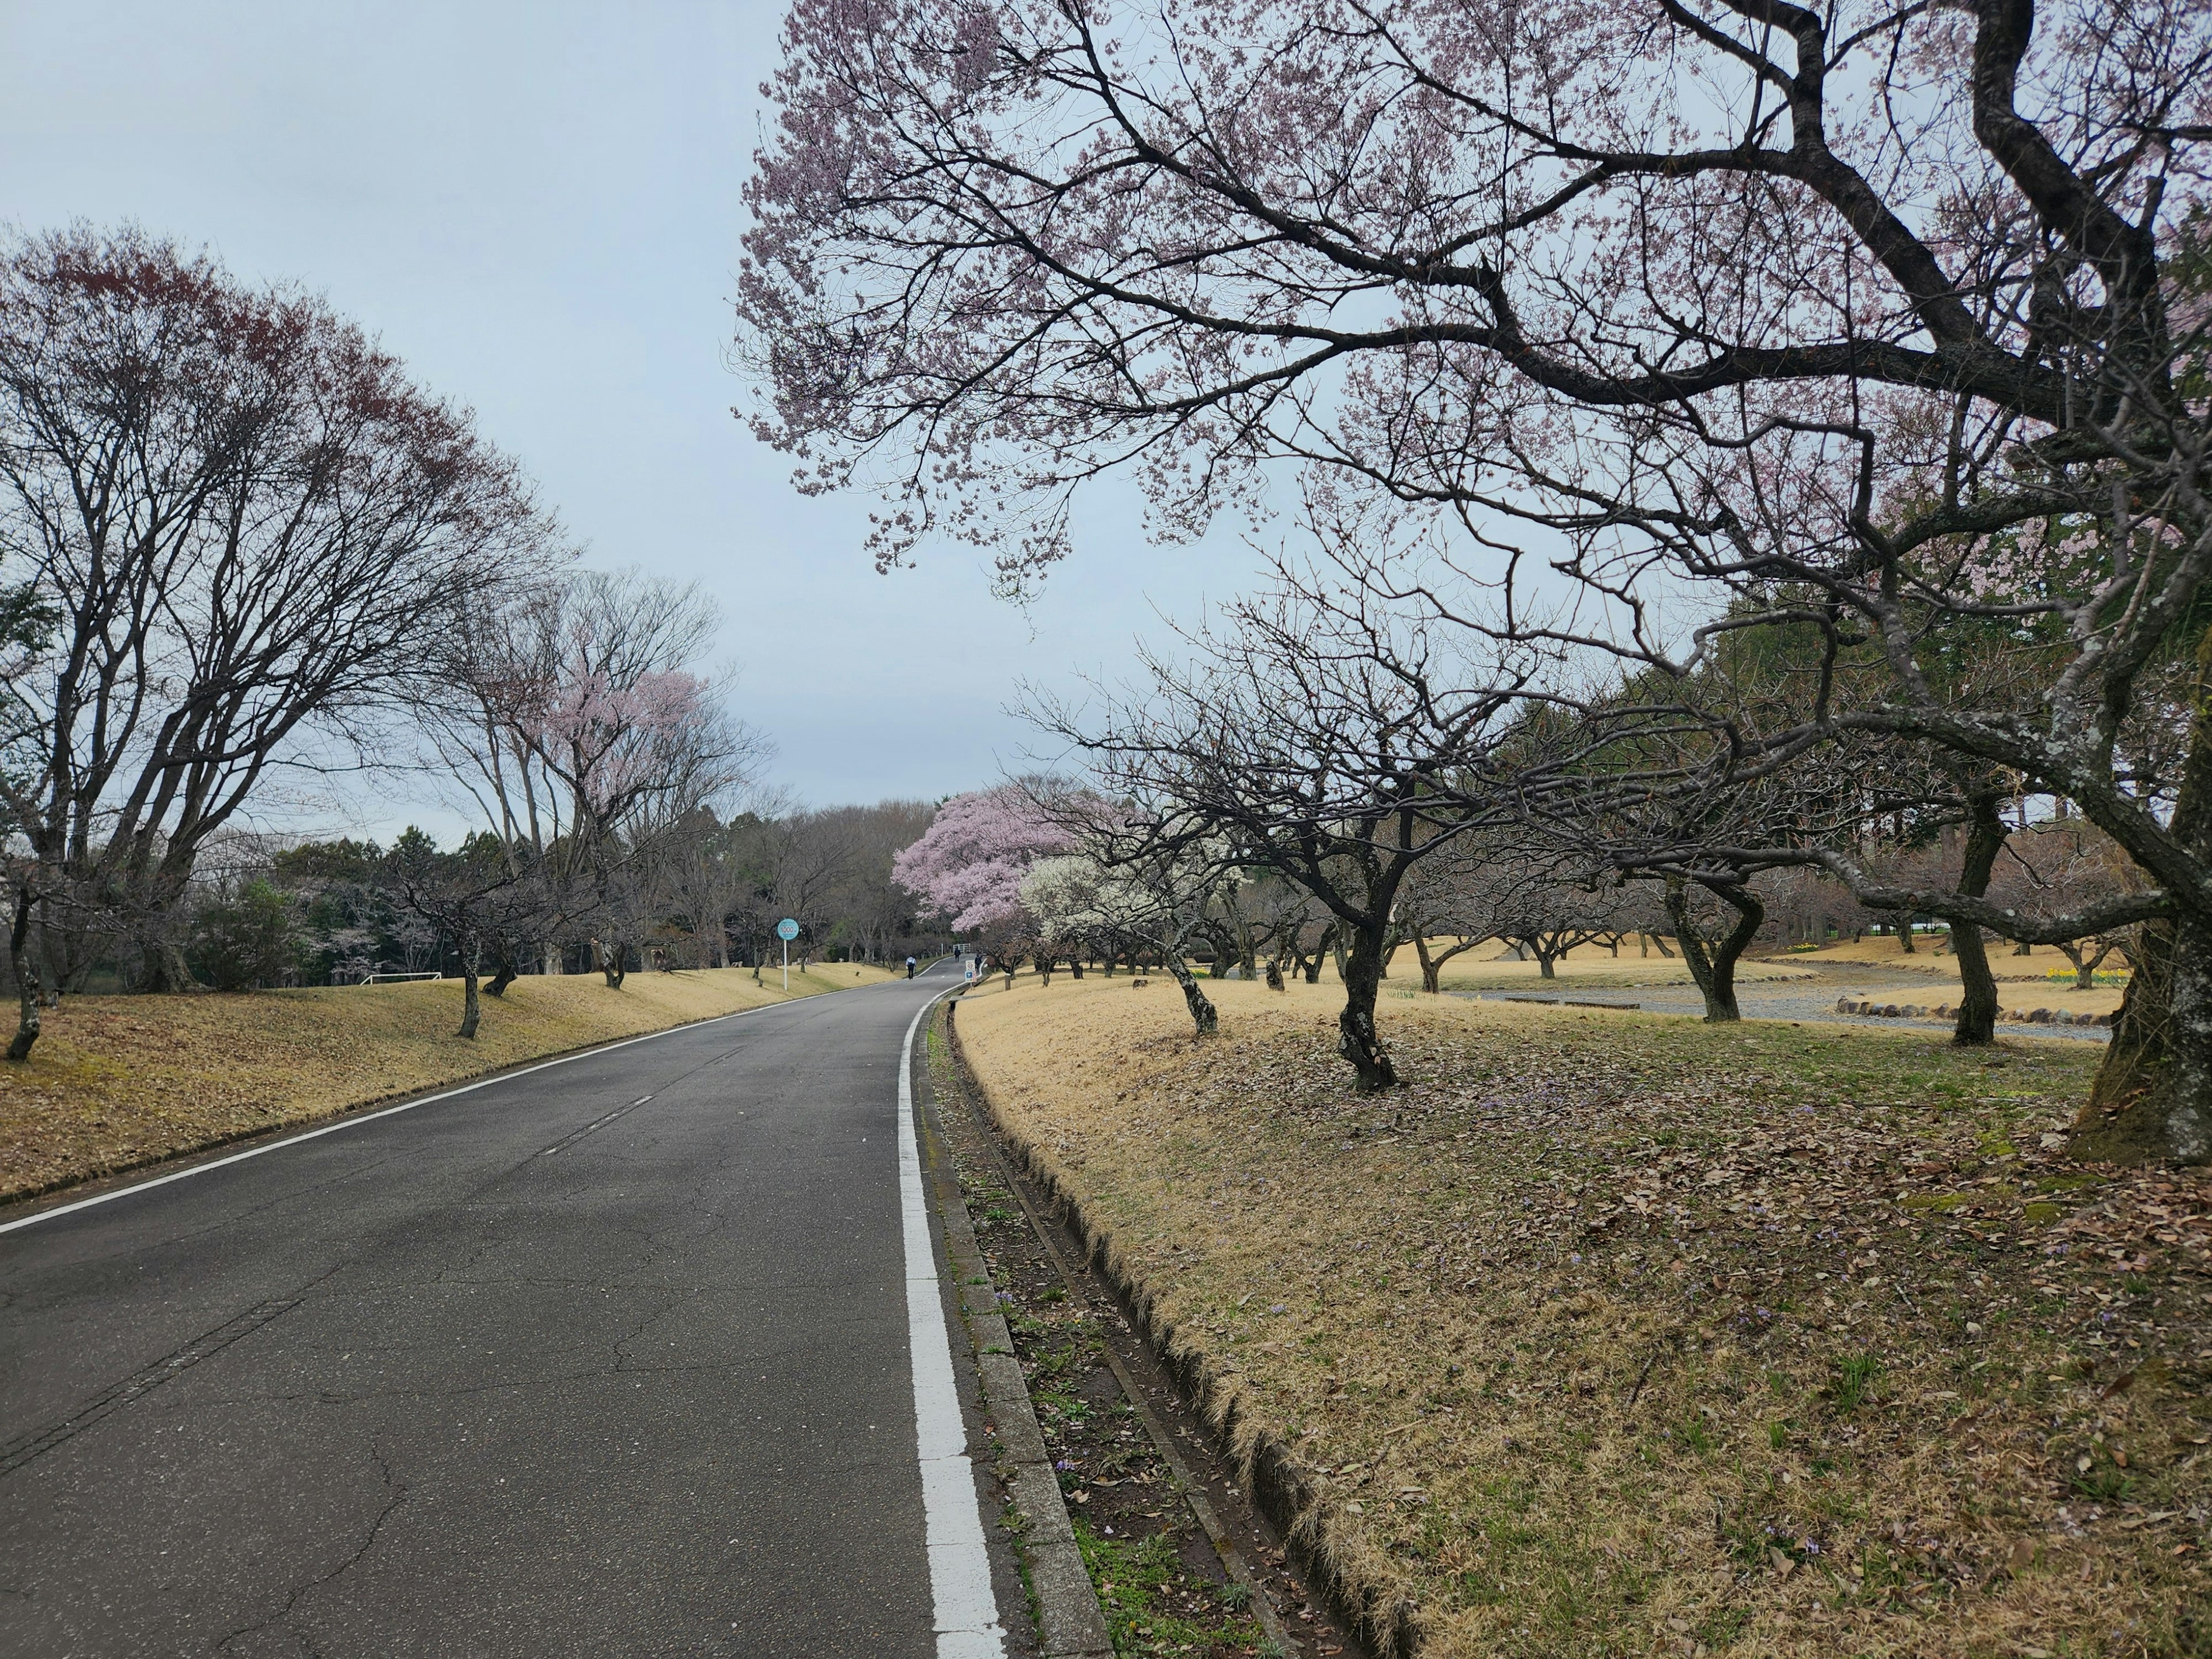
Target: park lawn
[
  {"x": 1486, "y": 968},
  {"x": 1611, "y": 1333},
  {"x": 1461, "y": 974},
  {"x": 2043, "y": 963},
  {"x": 118, "y": 1082}
]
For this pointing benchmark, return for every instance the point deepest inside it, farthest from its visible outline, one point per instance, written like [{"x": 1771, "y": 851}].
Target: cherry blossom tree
[
  {"x": 576, "y": 716},
  {"x": 968, "y": 867},
  {"x": 1683, "y": 316}
]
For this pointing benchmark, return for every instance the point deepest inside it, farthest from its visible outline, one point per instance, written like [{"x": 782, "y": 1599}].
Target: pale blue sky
[{"x": 538, "y": 207}]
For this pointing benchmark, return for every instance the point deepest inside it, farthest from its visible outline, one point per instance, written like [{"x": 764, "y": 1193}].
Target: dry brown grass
[
  {"x": 118, "y": 1082},
  {"x": 1460, "y": 974},
  {"x": 1617, "y": 1335},
  {"x": 2039, "y": 965}
]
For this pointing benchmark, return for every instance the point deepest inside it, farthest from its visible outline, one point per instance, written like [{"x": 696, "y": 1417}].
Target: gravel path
[{"x": 1813, "y": 999}]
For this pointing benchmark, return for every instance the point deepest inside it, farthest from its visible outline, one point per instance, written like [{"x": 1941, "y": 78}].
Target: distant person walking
[{"x": 909, "y": 967}]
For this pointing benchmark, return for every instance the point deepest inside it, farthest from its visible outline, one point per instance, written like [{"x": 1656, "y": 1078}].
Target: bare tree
[
  {"x": 1884, "y": 320},
  {"x": 1313, "y": 740},
  {"x": 230, "y": 527},
  {"x": 469, "y": 896}
]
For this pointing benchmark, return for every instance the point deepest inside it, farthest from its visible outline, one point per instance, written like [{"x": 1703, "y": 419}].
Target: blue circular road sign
[{"x": 787, "y": 929}]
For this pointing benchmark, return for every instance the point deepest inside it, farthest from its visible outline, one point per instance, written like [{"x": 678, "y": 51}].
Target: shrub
[{"x": 245, "y": 939}]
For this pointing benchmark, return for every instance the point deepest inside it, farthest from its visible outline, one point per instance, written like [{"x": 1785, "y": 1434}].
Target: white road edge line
[
  {"x": 967, "y": 1610},
  {"x": 356, "y": 1120}
]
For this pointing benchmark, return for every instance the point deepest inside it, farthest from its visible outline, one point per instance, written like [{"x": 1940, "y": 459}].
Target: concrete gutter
[{"x": 1070, "y": 1626}]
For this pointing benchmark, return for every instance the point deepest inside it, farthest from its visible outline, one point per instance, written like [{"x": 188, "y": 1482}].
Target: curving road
[{"x": 615, "y": 1356}]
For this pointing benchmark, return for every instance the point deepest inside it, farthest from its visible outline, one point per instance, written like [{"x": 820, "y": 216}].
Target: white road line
[
  {"x": 355, "y": 1122},
  {"x": 967, "y": 1612}
]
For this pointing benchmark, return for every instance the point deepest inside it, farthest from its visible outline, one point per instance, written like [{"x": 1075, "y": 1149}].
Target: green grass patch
[{"x": 1138, "y": 1584}]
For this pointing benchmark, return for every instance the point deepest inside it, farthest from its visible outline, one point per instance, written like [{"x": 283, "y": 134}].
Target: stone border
[{"x": 1070, "y": 1622}]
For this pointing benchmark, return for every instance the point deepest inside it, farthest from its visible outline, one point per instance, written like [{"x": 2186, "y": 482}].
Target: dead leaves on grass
[{"x": 1586, "y": 1279}]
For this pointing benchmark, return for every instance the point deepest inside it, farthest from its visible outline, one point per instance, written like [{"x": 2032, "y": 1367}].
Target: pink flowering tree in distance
[
  {"x": 588, "y": 738},
  {"x": 1877, "y": 323},
  {"x": 968, "y": 868}
]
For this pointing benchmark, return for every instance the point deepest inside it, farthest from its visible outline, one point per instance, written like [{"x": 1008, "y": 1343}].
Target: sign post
[{"x": 786, "y": 930}]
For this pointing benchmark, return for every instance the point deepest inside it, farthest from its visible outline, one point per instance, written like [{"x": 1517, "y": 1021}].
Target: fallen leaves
[{"x": 1581, "y": 1278}]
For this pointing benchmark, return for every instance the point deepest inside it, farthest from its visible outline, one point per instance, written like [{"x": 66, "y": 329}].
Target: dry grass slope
[
  {"x": 1617, "y": 1335},
  {"x": 119, "y": 1081}
]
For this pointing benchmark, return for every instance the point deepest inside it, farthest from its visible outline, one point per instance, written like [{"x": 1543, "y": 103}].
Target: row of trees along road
[
  {"x": 242, "y": 553},
  {"x": 1805, "y": 407},
  {"x": 230, "y": 530},
  {"x": 703, "y": 891}
]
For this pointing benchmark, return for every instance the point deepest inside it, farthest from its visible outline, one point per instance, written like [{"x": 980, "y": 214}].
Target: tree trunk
[
  {"x": 613, "y": 963},
  {"x": 1714, "y": 970},
  {"x": 1976, "y": 1023},
  {"x": 1275, "y": 974},
  {"x": 1544, "y": 960},
  {"x": 1247, "y": 956},
  {"x": 1358, "y": 1040},
  {"x": 2152, "y": 1102},
  {"x": 26, "y": 976},
  {"x": 471, "y": 1010},
  {"x": 508, "y": 973},
  {"x": 1203, "y": 1014},
  {"x": 1431, "y": 967},
  {"x": 1075, "y": 967},
  {"x": 2085, "y": 963},
  {"x": 163, "y": 969}
]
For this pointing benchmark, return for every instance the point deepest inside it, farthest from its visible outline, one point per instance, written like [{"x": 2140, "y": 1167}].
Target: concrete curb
[{"x": 1071, "y": 1624}]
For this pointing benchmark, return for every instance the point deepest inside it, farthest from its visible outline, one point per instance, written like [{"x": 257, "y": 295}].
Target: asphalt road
[{"x": 550, "y": 1367}]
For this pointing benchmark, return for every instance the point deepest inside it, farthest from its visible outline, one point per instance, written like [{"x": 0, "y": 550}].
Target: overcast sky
[{"x": 537, "y": 206}]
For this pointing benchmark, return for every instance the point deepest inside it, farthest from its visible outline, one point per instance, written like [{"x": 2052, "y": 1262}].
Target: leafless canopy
[{"x": 230, "y": 530}]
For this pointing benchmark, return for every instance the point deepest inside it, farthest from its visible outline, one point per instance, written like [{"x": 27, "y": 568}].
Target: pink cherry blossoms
[{"x": 968, "y": 867}]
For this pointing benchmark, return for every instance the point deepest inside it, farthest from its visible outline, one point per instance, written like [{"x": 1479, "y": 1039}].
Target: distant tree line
[{"x": 705, "y": 892}]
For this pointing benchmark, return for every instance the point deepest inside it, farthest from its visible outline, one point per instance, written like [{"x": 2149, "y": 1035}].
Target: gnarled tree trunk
[
  {"x": 1358, "y": 1039},
  {"x": 1714, "y": 968},
  {"x": 26, "y": 976},
  {"x": 1203, "y": 1014},
  {"x": 1978, "y": 987},
  {"x": 2152, "y": 1102},
  {"x": 471, "y": 1010}
]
